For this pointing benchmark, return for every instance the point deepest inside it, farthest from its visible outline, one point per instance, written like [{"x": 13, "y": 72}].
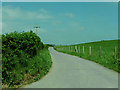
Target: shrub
[{"x": 17, "y": 49}]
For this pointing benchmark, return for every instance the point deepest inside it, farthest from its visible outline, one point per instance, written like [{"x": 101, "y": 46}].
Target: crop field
[{"x": 102, "y": 52}]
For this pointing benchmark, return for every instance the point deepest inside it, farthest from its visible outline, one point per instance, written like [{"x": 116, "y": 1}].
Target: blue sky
[{"x": 63, "y": 23}]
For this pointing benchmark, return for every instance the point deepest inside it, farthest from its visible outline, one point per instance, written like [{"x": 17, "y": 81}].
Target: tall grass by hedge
[{"x": 19, "y": 52}]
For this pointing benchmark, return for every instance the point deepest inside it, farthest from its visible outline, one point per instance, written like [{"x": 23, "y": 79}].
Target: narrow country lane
[{"x": 73, "y": 72}]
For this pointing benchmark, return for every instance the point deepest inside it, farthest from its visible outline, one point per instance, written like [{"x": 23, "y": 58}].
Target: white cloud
[
  {"x": 69, "y": 15},
  {"x": 43, "y": 10},
  {"x": 13, "y": 16},
  {"x": 17, "y": 13}
]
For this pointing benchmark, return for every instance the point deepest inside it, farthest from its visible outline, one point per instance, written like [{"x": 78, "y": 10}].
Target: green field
[{"x": 105, "y": 56}]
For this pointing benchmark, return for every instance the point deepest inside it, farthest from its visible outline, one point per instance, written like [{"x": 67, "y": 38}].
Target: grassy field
[{"x": 104, "y": 56}]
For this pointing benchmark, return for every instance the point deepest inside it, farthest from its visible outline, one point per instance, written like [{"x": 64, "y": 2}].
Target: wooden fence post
[
  {"x": 100, "y": 52},
  {"x": 83, "y": 50},
  {"x": 90, "y": 51},
  {"x": 75, "y": 48},
  {"x": 72, "y": 49},
  {"x": 115, "y": 52}
]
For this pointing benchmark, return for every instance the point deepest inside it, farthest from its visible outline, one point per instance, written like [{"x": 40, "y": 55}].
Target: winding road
[{"x": 73, "y": 72}]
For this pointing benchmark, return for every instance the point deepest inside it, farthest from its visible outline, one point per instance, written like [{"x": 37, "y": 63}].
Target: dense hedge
[{"x": 17, "y": 49}]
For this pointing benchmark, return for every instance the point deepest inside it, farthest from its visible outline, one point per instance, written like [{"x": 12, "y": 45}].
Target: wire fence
[
  {"x": 104, "y": 53},
  {"x": 99, "y": 51}
]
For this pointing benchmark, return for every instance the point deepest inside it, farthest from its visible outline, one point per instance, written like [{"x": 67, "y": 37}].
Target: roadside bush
[{"x": 17, "y": 49}]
